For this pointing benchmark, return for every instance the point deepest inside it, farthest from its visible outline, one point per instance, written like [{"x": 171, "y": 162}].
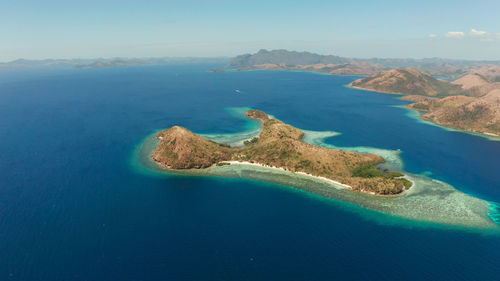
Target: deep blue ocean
[{"x": 72, "y": 208}]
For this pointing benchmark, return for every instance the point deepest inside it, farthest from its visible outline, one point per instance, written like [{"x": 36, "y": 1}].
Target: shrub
[{"x": 252, "y": 141}]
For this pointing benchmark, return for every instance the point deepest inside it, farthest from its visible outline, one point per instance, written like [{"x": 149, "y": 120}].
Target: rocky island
[
  {"x": 471, "y": 103},
  {"x": 280, "y": 146}
]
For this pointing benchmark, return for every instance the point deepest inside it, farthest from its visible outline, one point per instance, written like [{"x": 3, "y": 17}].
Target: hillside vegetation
[
  {"x": 279, "y": 145},
  {"x": 407, "y": 81}
]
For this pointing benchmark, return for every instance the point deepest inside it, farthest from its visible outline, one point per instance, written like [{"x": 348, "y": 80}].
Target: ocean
[{"x": 74, "y": 207}]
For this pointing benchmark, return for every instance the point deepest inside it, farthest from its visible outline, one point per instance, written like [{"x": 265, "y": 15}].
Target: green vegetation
[
  {"x": 279, "y": 145},
  {"x": 257, "y": 114},
  {"x": 367, "y": 171},
  {"x": 372, "y": 171},
  {"x": 220, "y": 144},
  {"x": 406, "y": 182},
  {"x": 250, "y": 142}
]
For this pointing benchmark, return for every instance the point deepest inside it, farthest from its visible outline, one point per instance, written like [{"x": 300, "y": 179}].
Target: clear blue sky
[{"x": 354, "y": 28}]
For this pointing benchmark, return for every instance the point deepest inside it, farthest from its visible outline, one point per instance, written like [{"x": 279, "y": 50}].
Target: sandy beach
[{"x": 336, "y": 183}]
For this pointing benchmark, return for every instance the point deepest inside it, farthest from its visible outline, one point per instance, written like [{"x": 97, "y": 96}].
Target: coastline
[
  {"x": 336, "y": 183},
  {"x": 422, "y": 205},
  {"x": 370, "y": 90},
  {"x": 417, "y": 115},
  {"x": 300, "y": 71},
  {"x": 193, "y": 171},
  {"x": 489, "y": 136}
]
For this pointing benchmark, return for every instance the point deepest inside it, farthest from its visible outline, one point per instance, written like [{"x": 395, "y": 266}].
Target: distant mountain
[
  {"x": 407, "y": 81},
  {"x": 303, "y": 61},
  {"x": 490, "y": 72},
  {"x": 42, "y": 63},
  {"x": 291, "y": 60},
  {"x": 284, "y": 57},
  {"x": 111, "y": 62}
]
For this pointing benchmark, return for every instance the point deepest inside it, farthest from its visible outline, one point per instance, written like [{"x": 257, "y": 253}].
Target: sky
[{"x": 35, "y": 29}]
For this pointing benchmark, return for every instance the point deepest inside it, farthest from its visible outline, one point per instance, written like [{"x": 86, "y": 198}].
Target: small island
[{"x": 280, "y": 146}]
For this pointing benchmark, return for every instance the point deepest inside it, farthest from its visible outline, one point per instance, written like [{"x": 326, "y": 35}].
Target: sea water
[{"x": 74, "y": 207}]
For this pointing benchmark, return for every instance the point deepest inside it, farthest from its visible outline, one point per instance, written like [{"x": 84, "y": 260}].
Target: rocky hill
[
  {"x": 279, "y": 145},
  {"x": 407, "y": 81},
  {"x": 473, "y": 114},
  {"x": 476, "y": 84}
]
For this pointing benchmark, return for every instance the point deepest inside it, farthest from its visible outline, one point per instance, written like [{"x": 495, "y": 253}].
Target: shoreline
[
  {"x": 416, "y": 114},
  {"x": 370, "y": 90},
  {"x": 488, "y": 136},
  {"x": 330, "y": 181},
  {"x": 335, "y": 183},
  {"x": 300, "y": 71},
  {"x": 410, "y": 206}
]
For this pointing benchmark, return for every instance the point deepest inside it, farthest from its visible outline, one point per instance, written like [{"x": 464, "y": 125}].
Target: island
[
  {"x": 280, "y": 146},
  {"x": 471, "y": 103},
  {"x": 407, "y": 81}
]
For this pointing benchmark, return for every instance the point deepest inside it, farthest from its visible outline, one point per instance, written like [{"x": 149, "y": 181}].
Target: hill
[
  {"x": 407, "y": 81},
  {"x": 476, "y": 84},
  {"x": 279, "y": 145},
  {"x": 473, "y": 114}
]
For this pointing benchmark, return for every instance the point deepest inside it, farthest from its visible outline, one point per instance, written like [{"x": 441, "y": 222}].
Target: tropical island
[
  {"x": 471, "y": 103},
  {"x": 280, "y": 146}
]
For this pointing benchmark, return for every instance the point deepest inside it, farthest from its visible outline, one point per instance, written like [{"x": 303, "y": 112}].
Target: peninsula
[
  {"x": 280, "y": 146},
  {"x": 471, "y": 114},
  {"x": 471, "y": 103},
  {"x": 407, "y": 81}
]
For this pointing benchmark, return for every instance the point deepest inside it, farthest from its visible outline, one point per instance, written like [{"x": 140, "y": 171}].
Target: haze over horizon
[{"x": 92, "y": 29}]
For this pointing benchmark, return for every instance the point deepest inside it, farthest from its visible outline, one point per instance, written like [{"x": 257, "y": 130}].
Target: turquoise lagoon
[{"x": 429, "y": 202}]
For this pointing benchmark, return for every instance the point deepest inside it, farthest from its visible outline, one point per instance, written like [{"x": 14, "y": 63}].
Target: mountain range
[{"x": 306, "y": 61}]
